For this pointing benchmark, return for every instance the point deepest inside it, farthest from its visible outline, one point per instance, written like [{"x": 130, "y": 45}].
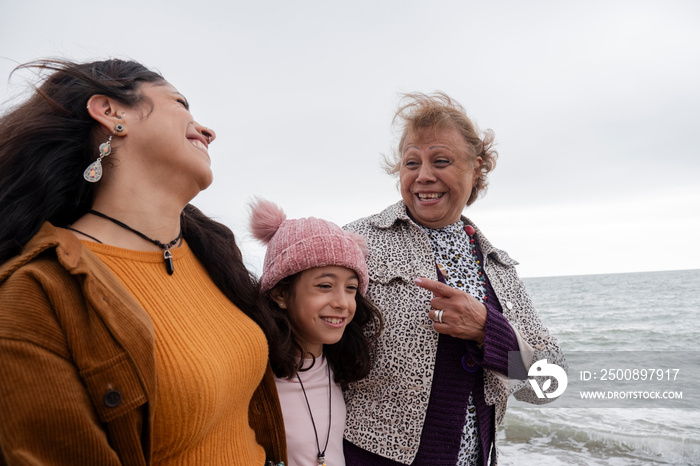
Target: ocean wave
[{"x": 612, "y": 437}]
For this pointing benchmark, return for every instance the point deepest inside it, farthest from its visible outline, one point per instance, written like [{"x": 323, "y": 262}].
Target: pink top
[{"x": 301, "y": 441}]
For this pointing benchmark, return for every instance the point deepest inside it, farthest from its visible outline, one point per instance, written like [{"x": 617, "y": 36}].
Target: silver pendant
[{"x": 93, "y": 172}]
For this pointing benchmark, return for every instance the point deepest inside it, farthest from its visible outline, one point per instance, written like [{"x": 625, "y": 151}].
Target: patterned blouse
[{"x": 460, "y": 267}]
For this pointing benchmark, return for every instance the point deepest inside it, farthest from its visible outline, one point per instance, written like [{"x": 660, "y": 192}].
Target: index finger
[{"x": 437, "y": 288}]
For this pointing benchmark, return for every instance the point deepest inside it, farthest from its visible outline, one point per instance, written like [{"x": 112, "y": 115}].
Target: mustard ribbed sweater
[{"x": 210, "y": 357}]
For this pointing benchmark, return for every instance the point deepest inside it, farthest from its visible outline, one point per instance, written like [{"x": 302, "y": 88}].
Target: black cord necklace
[
  {"x": 321, "y": 455},
  {"x": 84, "y": 234},
  {"x": 167, "y": 255}
]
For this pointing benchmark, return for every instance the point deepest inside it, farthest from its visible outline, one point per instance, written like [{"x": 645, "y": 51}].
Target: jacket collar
[
  {"x": 389, "y": 216},
  {"x": 130, "y": 324},
  {"x": 398, "y": 213},
  {"x": 47, "y": 237}
]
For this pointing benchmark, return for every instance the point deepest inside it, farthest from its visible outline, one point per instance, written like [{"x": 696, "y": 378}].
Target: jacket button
[
  {"x": 113, "y": 398},
  {"x": 509, "y": 305}
]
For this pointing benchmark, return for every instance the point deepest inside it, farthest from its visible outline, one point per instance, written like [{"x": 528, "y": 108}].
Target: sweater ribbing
[{"x": 210, "y": 357}]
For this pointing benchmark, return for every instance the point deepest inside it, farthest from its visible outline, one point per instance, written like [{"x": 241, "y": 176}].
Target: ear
[
  {"x": 279, "y": 297},
  {"x": 477, "y": 169},
  {"x": 108, "y": 112}
]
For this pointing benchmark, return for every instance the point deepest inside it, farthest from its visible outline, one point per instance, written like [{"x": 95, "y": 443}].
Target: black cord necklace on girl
[
  {"x": 167, "y": 255},
  {"x": 321, "y": 455}
]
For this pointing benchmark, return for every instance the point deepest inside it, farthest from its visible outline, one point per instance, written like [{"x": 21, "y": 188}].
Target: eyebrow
[
  {"x": 332, "y": 275},
  {"x": 439, "y": 146}
]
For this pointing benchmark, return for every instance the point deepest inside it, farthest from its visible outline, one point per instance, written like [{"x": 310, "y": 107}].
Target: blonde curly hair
[{"x": 439, "y": 111}]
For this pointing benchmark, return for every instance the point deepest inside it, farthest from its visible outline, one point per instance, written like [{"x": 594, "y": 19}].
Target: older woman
[
  {"x": 129, "y": 325},
  {"x": 453, "y": 306}
]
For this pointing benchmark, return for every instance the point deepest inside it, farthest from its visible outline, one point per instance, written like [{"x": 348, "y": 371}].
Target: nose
[
  {"x": 341, "y": 300},
  {"x": 206, "y": 132},
  {"x": 425, "y": 173}
]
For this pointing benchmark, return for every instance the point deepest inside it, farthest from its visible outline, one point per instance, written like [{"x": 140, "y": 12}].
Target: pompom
[
  {"x": 265, "y": 219},
  {"x": 360, "y": 240}
]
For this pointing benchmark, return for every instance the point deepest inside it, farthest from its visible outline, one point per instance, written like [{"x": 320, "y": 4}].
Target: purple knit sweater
[{"x": 447, "y": 408}]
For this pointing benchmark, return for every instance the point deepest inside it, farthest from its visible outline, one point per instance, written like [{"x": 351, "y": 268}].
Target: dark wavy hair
[
  {"x": 351, "y": 358},
  {"x": 47, "y": 142}
]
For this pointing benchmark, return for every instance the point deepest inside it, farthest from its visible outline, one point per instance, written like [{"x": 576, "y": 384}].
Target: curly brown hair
[{"x": 439, "y": 111}]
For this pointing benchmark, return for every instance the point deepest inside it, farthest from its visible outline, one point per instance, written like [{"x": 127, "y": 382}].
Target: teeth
[
  {"x": 333, "y": 320},
  {"x": 429, "y": 195},
  {"x": 198, "y": 143}
]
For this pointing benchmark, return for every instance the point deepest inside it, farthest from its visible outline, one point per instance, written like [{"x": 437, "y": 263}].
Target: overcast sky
[{"x": 595, "y": 106}]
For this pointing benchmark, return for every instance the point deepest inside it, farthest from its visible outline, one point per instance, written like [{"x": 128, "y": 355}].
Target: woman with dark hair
[{"x": 130, "y": 329}]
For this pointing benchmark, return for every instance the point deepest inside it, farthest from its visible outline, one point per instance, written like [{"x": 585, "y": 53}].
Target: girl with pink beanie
[{"x": 314, "y": 279}]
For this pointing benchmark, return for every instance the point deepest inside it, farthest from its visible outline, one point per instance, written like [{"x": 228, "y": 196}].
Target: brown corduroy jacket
[{"x": 77, "y": 363}]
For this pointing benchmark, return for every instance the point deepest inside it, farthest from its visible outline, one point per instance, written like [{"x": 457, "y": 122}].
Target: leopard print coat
[{"x": 386, "y": 410}]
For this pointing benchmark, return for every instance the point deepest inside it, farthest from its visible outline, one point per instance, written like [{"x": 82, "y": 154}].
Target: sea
[{"x": 634, "y": 314}]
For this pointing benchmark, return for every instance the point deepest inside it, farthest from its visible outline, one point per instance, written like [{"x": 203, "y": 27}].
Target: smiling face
[
  {"x": 436, "y": 176},
  {"x": 320, "y": 306},
  {"x": 164, "y": 139}
]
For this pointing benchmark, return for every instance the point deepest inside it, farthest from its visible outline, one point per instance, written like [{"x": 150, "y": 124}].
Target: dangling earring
[{"x": 93, "y": 172}]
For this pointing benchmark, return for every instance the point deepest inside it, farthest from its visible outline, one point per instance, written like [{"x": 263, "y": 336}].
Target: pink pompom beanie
[{"x": 297, "y": 245}]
